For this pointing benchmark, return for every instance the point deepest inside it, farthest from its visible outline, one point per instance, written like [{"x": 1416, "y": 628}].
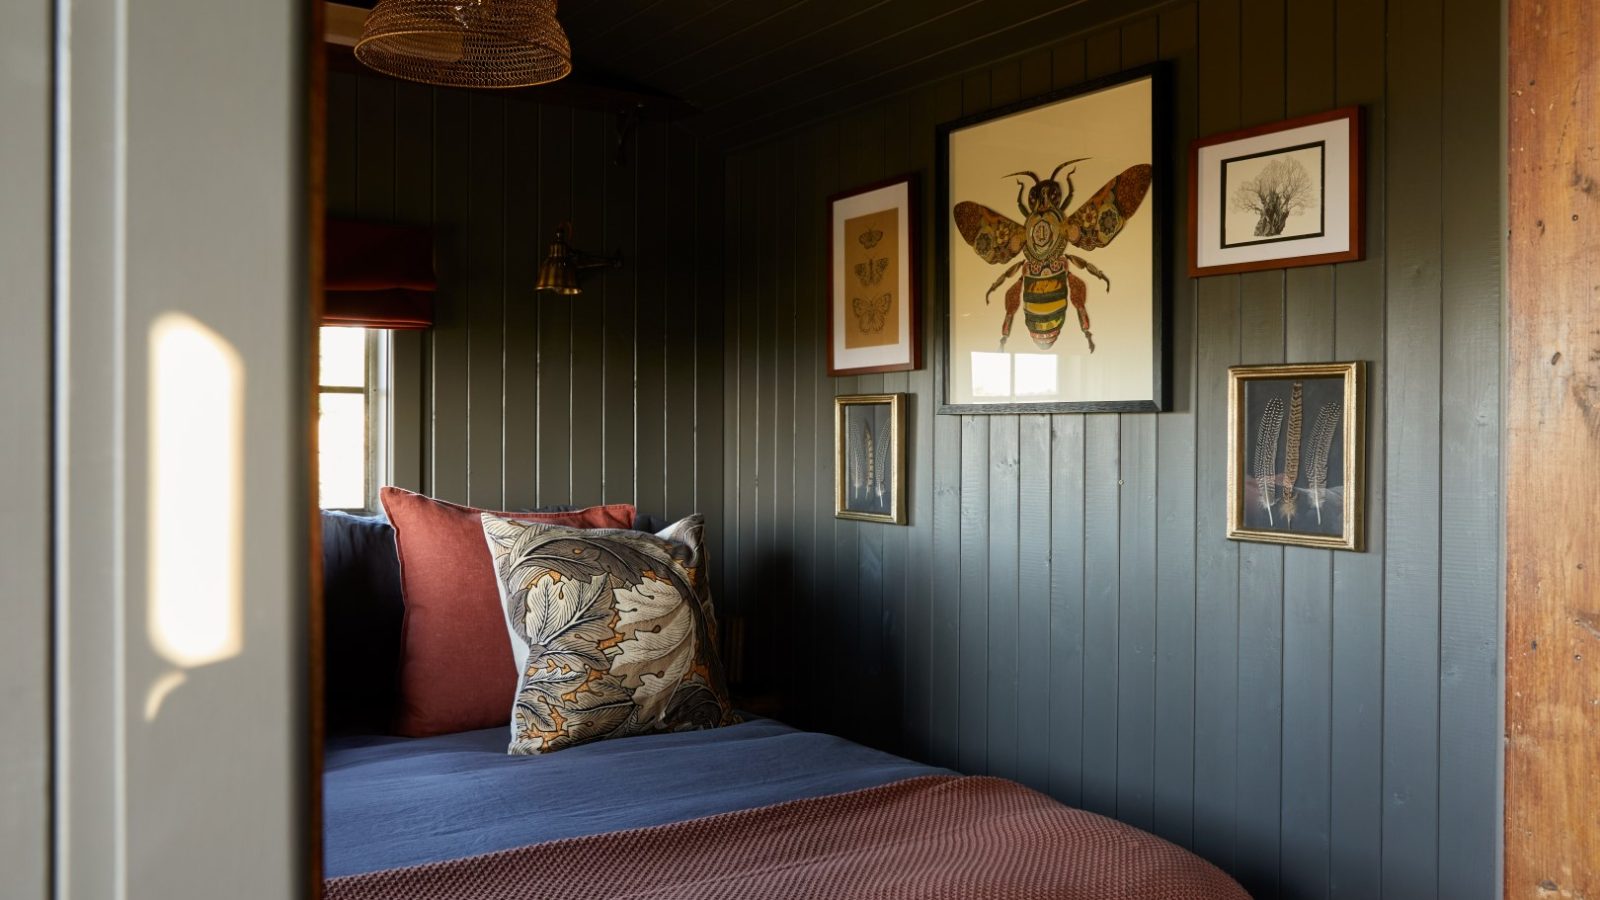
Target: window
[{"x": 351, "y": 405}]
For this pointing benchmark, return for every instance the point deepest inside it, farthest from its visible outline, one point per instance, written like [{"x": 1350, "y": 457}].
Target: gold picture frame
[
  {"x": 1292, "y": 431},
  {"x": 869, "y": 474}
]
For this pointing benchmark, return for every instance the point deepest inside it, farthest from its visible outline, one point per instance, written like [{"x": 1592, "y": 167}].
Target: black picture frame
[{"x": 1160, "y": 207}]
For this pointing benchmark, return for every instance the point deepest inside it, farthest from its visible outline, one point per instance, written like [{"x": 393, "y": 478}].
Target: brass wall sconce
[{"x": 559, "y": 271}]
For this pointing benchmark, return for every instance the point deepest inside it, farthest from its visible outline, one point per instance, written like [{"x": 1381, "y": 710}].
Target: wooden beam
[
  {"x": 1552, "y": 818},
  {"x": 342, "y": 23}
]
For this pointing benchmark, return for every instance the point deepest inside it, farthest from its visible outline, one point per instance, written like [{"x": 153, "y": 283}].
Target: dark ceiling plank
[
  {"x": 650, "y": 46},
  {"x": 953, "y": 44},
  {"x": 614, "y": 34},
  {"x": 838, "y": 29}
]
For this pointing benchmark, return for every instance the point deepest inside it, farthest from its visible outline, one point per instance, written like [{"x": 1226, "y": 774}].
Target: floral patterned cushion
[{"x": 612, "y": 630}]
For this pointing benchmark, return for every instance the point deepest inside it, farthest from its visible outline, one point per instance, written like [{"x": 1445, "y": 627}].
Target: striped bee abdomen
[{"x": 1044, "y": 306}]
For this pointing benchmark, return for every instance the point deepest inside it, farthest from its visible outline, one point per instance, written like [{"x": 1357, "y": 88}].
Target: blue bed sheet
[{"x": 391, "y": 801}]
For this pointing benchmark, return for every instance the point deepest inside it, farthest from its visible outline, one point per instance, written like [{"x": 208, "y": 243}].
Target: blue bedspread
[{"x": 390, "y": 801}]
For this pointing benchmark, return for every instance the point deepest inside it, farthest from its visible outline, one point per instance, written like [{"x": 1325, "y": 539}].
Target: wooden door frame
[{"x": 1552, "y": 750}]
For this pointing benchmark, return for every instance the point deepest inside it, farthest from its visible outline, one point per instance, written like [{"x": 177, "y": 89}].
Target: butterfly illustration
[
  {"x": 870, "y": 312},
  {"x": 871, "y": 271},
  {"x": 870, "y": 237}
]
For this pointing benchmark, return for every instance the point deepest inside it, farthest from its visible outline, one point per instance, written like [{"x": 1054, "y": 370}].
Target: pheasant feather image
[
  {"x": 880, "y": 466},
  {"x": 1291, "y": 458},
  {"x": 1264, "y": 465},
  {"x": 1321, "y": 443},
  {"x": 858, "y": 455}
]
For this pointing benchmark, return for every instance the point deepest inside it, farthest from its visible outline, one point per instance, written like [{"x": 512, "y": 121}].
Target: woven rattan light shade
[{"x": 467, "y": 43}]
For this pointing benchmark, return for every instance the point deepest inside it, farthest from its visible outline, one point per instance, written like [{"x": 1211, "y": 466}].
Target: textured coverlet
[
  {"x": 930, "y": 838},
  {"x": 392, "y": 802}
]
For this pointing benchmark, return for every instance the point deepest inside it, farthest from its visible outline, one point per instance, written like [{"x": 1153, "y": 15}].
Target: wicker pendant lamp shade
[{"x": 467, "y": 43}]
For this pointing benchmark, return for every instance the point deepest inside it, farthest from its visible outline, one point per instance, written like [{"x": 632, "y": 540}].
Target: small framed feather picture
[
  {"x": 1297, "y": 454},
  {"x": 869, "y": 458}
]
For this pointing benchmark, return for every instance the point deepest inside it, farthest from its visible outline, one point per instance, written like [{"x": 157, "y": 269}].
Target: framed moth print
[
  {"x": 872, "y": 270},
  {"x": 1297, "y": 454},
  {"x": 869, "y": 458},
  {"x": 1051, "y": 216},
  {"x": 1277, "y": 196}
]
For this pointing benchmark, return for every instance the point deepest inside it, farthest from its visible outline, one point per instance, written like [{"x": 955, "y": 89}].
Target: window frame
[{"x": 375, "y": 408}]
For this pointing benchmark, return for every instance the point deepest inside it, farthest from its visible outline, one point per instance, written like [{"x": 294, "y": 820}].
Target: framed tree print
[
  {"x": 872, "y": 269},
  {"x": 1277, "y": 196},
  {"x": 869, "y": 458},
  {"x": 1297, "y": 454},
  {"x": 1050, "y": 223}
]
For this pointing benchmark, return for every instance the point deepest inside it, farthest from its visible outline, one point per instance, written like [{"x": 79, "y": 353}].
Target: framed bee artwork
[
  {"x": 869, "y": 458},
  {"x": 1277, "y": 196},
  {"x": 1051, "y": 219},
  {"x": 1297, "y": 454},
  {"x": 872, "y": 264}
]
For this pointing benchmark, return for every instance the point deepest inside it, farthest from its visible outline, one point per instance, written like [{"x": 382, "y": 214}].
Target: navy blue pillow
[{"x": 362, "y": 612}]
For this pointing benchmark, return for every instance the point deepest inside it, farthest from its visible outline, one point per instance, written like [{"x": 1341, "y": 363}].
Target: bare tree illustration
[{"x": 1282, "y": 189}]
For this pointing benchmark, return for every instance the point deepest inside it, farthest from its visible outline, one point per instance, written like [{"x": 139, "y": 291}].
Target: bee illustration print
[{"x": 1048, "y": 284}]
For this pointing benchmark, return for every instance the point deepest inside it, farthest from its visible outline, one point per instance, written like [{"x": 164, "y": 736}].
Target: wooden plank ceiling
[{"x": 747, "y": 69}]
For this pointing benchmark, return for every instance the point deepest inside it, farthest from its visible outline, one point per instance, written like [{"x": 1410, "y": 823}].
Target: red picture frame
[
  {"x": 1209, "y": 160},
  {"x": 868, "y": 292}
]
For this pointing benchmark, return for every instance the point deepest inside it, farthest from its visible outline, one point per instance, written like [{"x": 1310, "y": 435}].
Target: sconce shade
[
  {"x": 467, "y": 43},
  {"x": 559, "y": 272}
]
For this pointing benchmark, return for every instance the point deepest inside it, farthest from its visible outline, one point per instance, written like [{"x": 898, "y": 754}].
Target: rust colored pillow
[{"x": 456, "y": 668}]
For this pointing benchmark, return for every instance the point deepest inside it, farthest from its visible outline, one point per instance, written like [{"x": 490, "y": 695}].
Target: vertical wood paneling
[
  {"x": 1411, "y": 573},
  {"x": 1068, "y": 609},
  {"x": 1216, "y": 673},
  {"x": 410, "y": 363},
  {"x": 520, "y": 245},
  {"x": 591, "y": 157},
  {"x": 484, "y": 404},
  {"x": 651, "y": 284},
  {"x": 1356, "y": 824},
  {"x": 1260, "y": 660},
  {"x": 1173, "y": 787},
  {"x": 556, "y": 191},
  {"x": 973, "y": 621},
  {"x": 1469, "y": 616},
  {"x": 1138, "y": 551},
  {"x": 897, "y": 141},
  {"x": 617, "y": 296},
  {"x": 486, "y": 349},
  {"x": 1307, "y": 574},
  {"x": 1031, "y": 673},
  {"x": 452, "y": 205}
]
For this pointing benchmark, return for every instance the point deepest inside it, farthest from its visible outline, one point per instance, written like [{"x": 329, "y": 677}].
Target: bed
[{"x": 756, "y": 809}]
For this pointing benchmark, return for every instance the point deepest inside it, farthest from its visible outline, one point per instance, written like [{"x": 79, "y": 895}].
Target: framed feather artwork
[
  {"x": 1051, "y": 233},
  {"x": 869, "y": 458},
  {"x": 873, "y": 323},
  {"x": 1297, "y": 454}
]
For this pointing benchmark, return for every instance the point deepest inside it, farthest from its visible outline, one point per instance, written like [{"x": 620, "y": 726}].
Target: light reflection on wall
[{"x": 195, "y": 536}]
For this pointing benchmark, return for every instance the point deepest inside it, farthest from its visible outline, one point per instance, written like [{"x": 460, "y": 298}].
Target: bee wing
[
  {"x": 1101, "y": 217},
  {"x": 995, "y": 237}
]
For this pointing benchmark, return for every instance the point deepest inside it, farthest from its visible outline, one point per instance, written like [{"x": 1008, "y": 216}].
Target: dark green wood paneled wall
[
  {"x": 1063, "y": 608},
  {"x": 517, "y": 399}
]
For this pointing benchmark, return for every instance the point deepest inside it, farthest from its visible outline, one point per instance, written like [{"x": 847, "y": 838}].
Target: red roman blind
[{"x": 378, "y": 276}]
